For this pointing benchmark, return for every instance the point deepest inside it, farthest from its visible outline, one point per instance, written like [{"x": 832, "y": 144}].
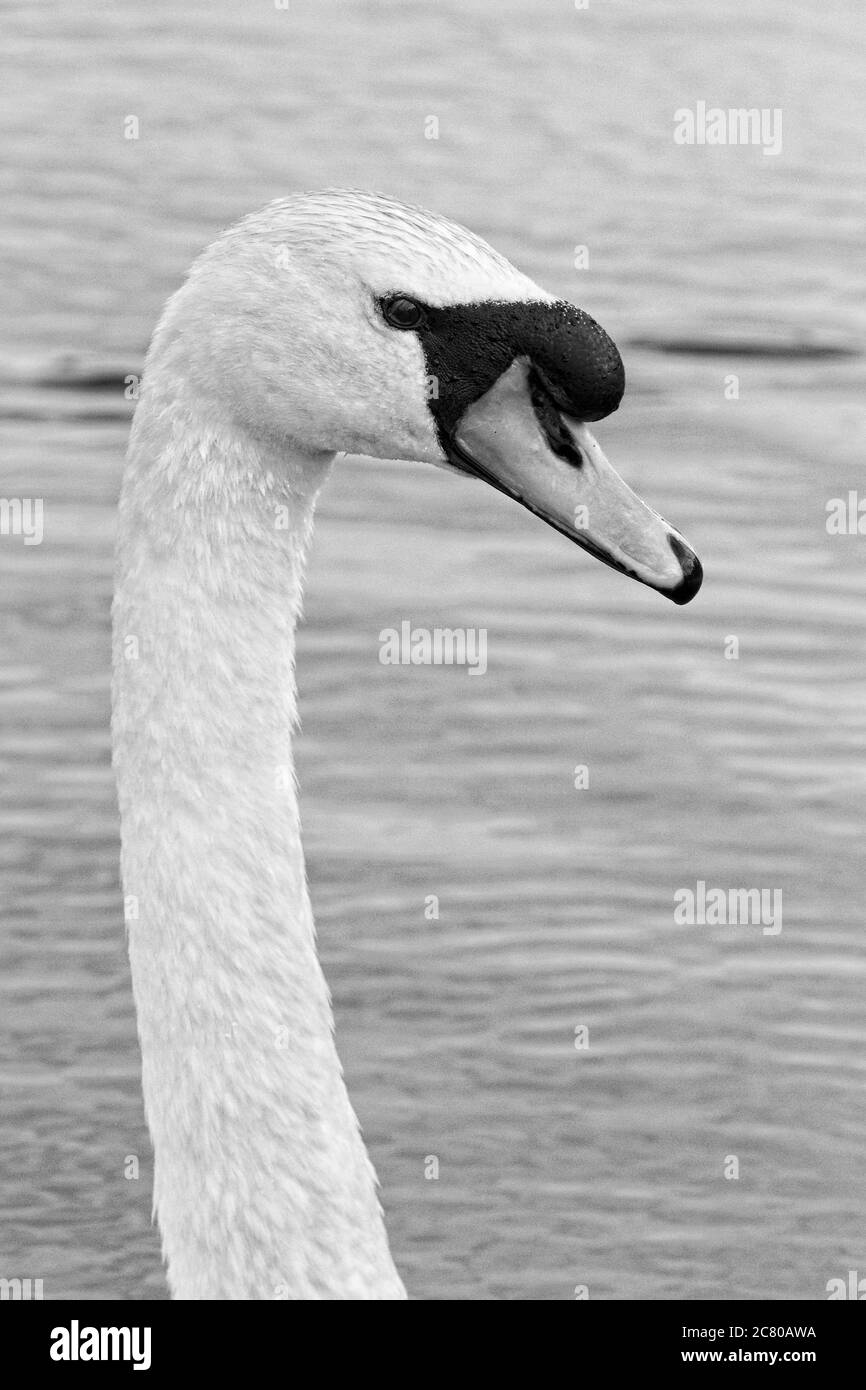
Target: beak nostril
[{"x": 550, "y": 420}]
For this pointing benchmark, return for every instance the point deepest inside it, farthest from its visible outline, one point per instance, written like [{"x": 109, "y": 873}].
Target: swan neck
[{"x": 262, "y": 1185}]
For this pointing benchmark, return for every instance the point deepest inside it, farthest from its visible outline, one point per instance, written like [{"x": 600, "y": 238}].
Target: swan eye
[{"x": 402, "y": 312}]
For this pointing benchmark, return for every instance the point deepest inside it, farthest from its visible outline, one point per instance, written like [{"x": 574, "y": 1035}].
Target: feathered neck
[{"x": 262, "y": 1185}]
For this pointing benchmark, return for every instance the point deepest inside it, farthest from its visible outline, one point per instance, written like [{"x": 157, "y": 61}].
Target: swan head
[{"x": 349, "y": 322}]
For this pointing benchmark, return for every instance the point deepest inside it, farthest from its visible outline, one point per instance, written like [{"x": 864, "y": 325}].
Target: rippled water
[{"x": 558, "y": 1167}]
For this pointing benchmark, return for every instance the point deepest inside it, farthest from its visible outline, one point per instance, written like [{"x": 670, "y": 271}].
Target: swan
[{"x": 328, "y": 322}]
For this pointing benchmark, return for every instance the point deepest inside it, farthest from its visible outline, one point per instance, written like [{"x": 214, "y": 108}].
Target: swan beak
[{"x": 516, "y": 439}]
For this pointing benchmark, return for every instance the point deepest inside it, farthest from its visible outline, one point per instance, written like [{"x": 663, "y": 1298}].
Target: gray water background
[{"x": 557, "y": 1167}]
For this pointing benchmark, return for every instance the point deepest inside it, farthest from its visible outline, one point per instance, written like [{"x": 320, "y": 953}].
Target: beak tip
[{"x": 693, "y": 574}]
